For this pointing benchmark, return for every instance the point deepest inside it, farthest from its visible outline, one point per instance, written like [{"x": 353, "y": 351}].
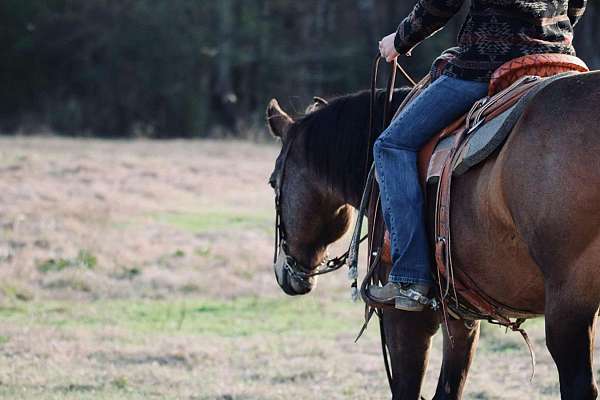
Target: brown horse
[{"x": 526, "y": 226}]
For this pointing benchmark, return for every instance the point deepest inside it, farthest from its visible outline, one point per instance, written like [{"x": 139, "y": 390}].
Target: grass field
[{"x": 138, "y": 269}]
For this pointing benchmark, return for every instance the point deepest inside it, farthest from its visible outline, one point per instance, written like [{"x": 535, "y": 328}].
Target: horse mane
[{"x": 335, "y": 138}]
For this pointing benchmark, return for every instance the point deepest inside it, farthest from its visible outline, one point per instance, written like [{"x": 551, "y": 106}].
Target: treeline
[{"x": 191, "y": 68}]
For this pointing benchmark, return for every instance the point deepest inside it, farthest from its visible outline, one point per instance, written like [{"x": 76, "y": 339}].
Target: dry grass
[
  {"x": 159, "y": 217},
  {"x": 138, "y": 269}
]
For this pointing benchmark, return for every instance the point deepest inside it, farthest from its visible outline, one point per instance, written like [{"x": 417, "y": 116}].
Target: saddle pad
[{"x": 482, "y": 143}]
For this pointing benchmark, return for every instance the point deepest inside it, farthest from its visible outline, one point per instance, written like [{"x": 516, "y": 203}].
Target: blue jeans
[{"x": 396, "y": 153}]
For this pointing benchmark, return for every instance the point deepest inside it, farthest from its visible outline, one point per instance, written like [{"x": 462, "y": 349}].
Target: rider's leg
[{"x": 395, "y": 154}]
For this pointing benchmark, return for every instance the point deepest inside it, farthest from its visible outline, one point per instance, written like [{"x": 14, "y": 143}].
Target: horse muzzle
[{"x": 291, "y": 281}]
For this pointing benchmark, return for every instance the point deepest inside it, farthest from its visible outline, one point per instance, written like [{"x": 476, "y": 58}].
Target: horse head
[{"x": 310, "y": 214}]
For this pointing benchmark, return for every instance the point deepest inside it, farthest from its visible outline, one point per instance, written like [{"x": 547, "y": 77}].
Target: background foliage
[{"x": 183, "y": 68}]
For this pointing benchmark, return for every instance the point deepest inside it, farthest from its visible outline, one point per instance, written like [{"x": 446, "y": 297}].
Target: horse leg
[
  {"x": 408, "y": 337},
  {"x": 570, "y": 326},
  {"x": 458, "y": 355}
]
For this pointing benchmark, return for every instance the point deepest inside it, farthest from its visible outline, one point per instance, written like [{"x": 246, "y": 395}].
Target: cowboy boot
[{"x": 404, "y": 296}]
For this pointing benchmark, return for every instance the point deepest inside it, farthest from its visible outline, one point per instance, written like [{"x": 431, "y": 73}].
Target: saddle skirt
[{"x": 465, "y": 144}]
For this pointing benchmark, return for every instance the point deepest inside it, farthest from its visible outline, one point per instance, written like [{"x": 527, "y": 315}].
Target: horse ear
[
  {"x": 318, "y": 102},
  {"x": 321, "y": 101},
  {"x": 278, "y": 121}
]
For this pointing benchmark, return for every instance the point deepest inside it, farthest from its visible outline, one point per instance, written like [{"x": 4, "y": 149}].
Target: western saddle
[{"x": 464, "y": 144}]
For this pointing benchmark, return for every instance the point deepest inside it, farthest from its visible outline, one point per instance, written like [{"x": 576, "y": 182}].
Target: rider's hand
[{"x": 387, "y": 49}]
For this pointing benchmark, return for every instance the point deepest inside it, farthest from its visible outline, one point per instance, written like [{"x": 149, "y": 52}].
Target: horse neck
[
  {"x": 337, "y": 143},
  {"x": 349, "y": 149},
  {"x": 342, "y": 181}
]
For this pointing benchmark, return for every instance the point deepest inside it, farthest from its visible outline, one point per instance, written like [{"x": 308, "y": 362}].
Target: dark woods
[{"x": 192, "y": 68}]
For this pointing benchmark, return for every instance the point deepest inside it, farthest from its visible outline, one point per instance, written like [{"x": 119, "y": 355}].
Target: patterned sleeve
[
  {"x": 426, "y": 18},
  {"x": 576, "y": 10}
]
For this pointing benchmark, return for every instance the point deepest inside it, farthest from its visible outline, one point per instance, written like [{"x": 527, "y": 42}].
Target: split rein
[{"x": 296, "y": 269}]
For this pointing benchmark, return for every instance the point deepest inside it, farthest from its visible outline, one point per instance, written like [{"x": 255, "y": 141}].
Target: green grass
[
  {"x": 237, "y": 318},
  {"x": 84, "y": 259},
  {"x": 15, "y": 291},
  {"x": 217, "y": 220},
  {"x": 245, "y": 316},
  {"x": 270, "y": 322}
]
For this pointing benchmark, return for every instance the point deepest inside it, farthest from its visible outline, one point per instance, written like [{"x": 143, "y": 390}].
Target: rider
[{"x": 495, "y": 32}]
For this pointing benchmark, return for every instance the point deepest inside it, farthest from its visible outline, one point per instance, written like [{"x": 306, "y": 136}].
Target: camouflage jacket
[{"x": 495, "y": 31}]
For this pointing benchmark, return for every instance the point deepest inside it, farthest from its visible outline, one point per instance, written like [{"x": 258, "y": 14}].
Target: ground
[{"x": 142, "y": 269}]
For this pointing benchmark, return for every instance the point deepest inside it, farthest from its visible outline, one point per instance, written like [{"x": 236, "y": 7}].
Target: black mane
[{"x": 335, "y": 139}]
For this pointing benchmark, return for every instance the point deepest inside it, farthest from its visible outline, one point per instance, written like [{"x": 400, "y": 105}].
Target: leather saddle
[{"x": 465, "y": 144}]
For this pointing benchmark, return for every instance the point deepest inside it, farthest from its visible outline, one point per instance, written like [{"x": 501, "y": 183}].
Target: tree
[{"x": 165, "y": 68}]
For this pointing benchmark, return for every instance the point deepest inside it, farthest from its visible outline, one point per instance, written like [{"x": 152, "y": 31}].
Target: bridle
[{"x": 296, "y": 270}]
